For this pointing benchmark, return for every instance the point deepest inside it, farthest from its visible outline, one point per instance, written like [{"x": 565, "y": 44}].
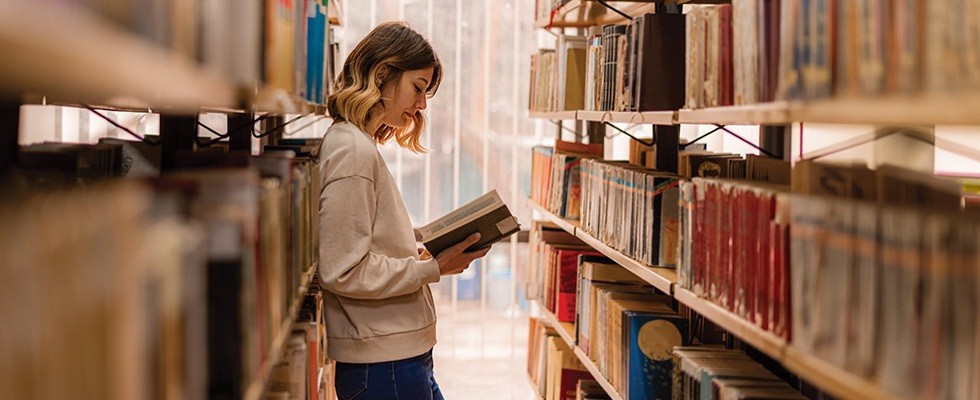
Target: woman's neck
[{"x": 373, "y": 125}]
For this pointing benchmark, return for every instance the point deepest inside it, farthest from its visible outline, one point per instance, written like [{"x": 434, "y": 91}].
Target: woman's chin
[{"x": 401, "y": 123}]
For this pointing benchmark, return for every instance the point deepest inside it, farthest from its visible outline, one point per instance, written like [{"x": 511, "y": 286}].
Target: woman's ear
[{"x": 382, "y": 74}]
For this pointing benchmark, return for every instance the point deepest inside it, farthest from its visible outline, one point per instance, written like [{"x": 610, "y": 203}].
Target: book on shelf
[
  {"x": 733, "y": 251},
  {"x": 657, "y": 66},
  {"x": 486, "y": 214},
  {"x": 632, "y": 209},
  {"x": 757, "y": 51},
  {"x": 713, "y": 373},
  {"x": 565, "y": 370},
  {"x": 650, "y": 338},
  {"x": 902, "y": 229},
  {"x": 560, "y": 264},
  {"x": 588, "y": 389}
]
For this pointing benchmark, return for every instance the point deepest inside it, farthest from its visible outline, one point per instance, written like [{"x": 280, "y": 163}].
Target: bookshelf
[
  {"x": 764, "y": 341},
  {"x": 826, "y": 376},
  {"x": 103, "y": 64},
  {"x": 257, "y": 387},
  {"x": 584, "y": 13},
  {"x": 648, "y": 117},
  {"x": 911, "y": 110},
  {"x": 661, "y": 278},
  {"x": 566, "y": 331},
  {"x": 114, "y": 68},
  {"x": 568, "y": 225},
  {"x": 557, "y": 115}
]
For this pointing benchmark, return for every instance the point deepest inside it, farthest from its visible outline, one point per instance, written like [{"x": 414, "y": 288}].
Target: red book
[{"x": 568, "y": 282}]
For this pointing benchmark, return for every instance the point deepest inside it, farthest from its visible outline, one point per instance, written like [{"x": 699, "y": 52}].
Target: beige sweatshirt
[{"x": 377, "y": 300}]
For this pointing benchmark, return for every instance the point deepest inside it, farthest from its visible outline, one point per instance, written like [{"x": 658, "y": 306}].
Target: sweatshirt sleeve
[{"x": 347, "y": 266}]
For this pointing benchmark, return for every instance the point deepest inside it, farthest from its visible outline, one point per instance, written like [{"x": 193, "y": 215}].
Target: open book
[{"x": 487, "y": 214}]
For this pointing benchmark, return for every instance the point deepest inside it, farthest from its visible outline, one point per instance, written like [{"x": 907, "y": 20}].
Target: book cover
[
  {"x": 486, "y": 214},
  {"x": 650, "y": 338}
]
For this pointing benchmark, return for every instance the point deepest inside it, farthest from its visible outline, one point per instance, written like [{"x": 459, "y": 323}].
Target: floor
[{"x": 481, "y": 354}]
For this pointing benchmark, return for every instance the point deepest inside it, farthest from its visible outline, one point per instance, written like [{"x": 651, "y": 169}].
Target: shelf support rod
[
  {"x": 645, "y": 143},
  {"x": 614, "y": 9}
]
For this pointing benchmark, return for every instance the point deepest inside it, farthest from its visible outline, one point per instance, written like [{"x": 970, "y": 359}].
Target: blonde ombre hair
[{"x": 381, "y": 57}]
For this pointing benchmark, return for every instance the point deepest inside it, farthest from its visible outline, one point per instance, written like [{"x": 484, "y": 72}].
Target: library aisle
[{"x": 481, "y": 354}]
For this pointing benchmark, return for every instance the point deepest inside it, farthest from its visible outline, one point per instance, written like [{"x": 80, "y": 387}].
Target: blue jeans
[{"x": 408, "y": 379}]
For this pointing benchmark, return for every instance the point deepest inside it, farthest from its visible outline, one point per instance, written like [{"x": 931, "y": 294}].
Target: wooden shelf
[
  {"x": 256, "y": 388},
  {"x": 893, "y": 110},
  {"x": 769, "y": 114},
  {"x": 661, "y": 278},
  {"x": 67, "y": 53},
  {"x": 568, "y": 225},
  {"x": 647, "y": 117},
  {"x": 585, "y": 13},
  {"x": 567, "y": 331},
  {"x": 913, "y": 110},
  {"x": 554, "y": 115},
  {"x": 830, "y": 378},
  {"x": 766, "y": 342}
]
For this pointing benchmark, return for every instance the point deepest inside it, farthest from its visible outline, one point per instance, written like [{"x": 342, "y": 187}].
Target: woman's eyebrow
[{"x": 423, "y": 80}]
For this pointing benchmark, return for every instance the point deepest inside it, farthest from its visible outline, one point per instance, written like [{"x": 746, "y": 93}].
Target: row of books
[
  {"x": 715, "y": 373},
  {"x": 552, "y": 366},
  {"x": 706, "y": 164},
  {"x": 556, "y": 176},
  {"x": 734, "y": 248},
  {"x": 632, "y": 209},
  {"x": 300, "y": 52},
  {"x": 630, "y": 333},
  {"x": 612, "y": 311},
  {"x": 884, "y": 272},
  {"x": 208, "y": 262},
  {"x": 286, "y": 44},
  {"x": 97, "y": 286},
  {"x": 627, "y": 329},
  {"x": 635, "y": 67},
  {"x": 753, "y": 51},
  {"x": 556, "y": 254},
  {"x": 304, "y": 372}
]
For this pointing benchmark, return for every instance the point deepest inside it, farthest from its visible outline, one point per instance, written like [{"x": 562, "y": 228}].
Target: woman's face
[{"x": 405, "y": 96}]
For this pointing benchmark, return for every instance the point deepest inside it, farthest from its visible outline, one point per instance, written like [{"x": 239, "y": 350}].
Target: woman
[{"x": 380, "y": 315}]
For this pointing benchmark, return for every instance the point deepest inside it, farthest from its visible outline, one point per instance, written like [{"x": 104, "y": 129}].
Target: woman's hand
[
  {"x": 424, "y": 254},
  {"x": 453, "y": 260}
]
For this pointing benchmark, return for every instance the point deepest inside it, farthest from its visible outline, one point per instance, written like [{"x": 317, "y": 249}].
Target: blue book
[
  {"x": 650, "y": 340},
  {"x": 315, "y": 47}
]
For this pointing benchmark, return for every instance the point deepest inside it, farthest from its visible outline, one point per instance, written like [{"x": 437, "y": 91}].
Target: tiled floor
[{"x": 481, "y": 354}]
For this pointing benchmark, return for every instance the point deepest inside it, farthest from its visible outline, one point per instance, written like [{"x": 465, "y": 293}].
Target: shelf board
[
  {"x": 830, "y": 378},
  {"x": 661, "y": 278},
  {"x": 569, "y": 225},
  {"x": 554, "y": 115},
  {"x": 889, "y": 110},
  {"x": 67, "y": 53},
  {"x": 766, "y": 342},
  {"x": 647, "y": 117},
  {"x": 256, "y": 388},
  {"x": 584, "y": 13},
  {"x": 768, "y": 113},
  {"x": 566, "y": 331}
]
